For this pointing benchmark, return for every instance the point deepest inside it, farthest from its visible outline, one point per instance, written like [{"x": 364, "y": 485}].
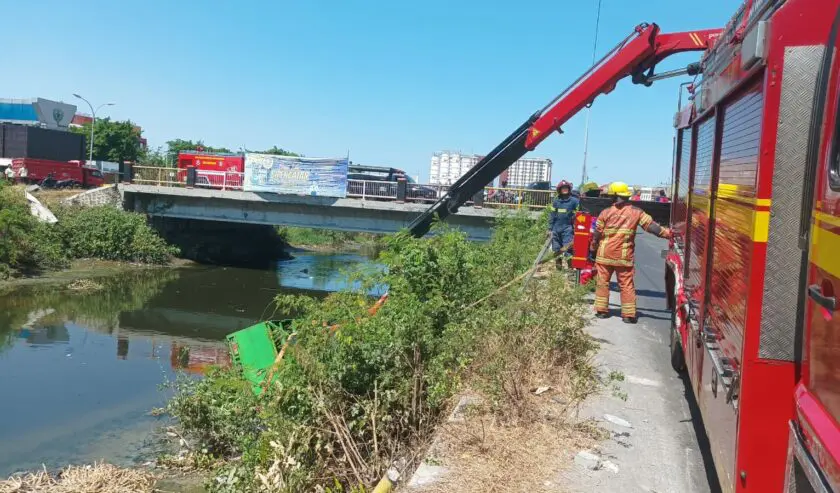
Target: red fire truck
[
  {"x": 214, "y": 170},
  {"x": 68, "y": 173},
  {"x": 754, "y": 268},
  {"x": 755, "y": 260}
]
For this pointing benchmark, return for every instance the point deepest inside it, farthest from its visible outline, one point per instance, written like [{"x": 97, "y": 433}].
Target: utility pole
[
  {"x": 92, "y": 123},
  {"x": 584, "y": 177}
]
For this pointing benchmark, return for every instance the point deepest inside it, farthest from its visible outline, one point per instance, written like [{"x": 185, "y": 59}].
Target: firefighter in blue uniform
[{"x": 561, "y": 222}]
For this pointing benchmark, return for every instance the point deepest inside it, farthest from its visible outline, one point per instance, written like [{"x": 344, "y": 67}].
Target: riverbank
[
  {"x": 328, "y": 241},
  {"x": 81, "y": 269},
  {"x": 30, "y": 247},
  {"x": 349, "y": 404}
]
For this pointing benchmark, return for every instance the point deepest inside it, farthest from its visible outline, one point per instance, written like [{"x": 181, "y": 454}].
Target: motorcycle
[{"x": 50, "y": 182}]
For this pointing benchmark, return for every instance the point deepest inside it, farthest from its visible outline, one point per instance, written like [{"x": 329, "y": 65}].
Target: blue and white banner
[{"x": 295, "y": 175}]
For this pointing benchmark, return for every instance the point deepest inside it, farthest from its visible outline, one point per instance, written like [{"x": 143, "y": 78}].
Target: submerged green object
[{"x": 254, "y": 349}]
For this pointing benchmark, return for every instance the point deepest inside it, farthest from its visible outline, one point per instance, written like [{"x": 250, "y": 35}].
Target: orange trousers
[{"x": 625, "y": 283}]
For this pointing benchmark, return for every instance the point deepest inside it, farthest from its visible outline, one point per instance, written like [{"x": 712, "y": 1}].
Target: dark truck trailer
[{"x": 25, "y": 141}]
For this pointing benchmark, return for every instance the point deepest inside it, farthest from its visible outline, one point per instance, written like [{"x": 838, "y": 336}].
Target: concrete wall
[{"x": 107, "y": 195}]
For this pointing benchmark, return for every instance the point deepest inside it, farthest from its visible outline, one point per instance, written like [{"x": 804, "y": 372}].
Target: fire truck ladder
[{"x": 636, "y": 56}]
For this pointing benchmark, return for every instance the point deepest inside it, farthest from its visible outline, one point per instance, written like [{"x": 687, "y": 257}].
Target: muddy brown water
[{"x": 80, "y": 371}]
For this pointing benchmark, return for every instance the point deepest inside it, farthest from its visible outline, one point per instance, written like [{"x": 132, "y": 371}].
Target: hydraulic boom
[{"x": 636, "y": 56}]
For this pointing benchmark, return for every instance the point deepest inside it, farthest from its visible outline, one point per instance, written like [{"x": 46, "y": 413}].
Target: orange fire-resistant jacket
[{"x": 617, "y": 228}]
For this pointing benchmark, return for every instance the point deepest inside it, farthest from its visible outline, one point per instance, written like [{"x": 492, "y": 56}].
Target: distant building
[
  {"x": 526, "y": 171},
  {"x": 38, "y": 112},
  {"x": 448, "y": 166}
]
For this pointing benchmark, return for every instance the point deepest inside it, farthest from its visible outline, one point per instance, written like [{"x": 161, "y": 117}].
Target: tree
[
  {"x": 180, "y": 145},
  {"x": 154, "y": 157},
  {"x": 114, "y": 141},
  {"x": 279, "y": 151}
]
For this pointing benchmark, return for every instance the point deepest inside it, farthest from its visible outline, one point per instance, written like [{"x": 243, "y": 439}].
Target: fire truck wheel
[{"x": 677, "y": 356}]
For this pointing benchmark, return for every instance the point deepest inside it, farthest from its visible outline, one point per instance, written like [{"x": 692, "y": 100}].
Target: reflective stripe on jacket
[{"x": 617, "y": 227}]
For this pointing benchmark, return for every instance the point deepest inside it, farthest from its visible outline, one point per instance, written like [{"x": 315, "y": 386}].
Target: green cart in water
[{"x": 254, "y": 349}]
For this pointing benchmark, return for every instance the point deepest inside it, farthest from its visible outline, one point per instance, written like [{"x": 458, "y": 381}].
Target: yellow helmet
[{"x": 619, "y": 188}]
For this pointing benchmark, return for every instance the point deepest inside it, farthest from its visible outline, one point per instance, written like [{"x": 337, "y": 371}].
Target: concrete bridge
[{"x": 349, "y": 214}]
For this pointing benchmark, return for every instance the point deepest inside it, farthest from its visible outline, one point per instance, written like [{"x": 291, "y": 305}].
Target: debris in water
[
  {"x": 541, "y": 390},
  {"x": 84, "y": 285}
]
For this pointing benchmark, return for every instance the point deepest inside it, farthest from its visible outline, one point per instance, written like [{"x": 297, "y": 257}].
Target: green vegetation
[
  {"x": 115, "y": 141},
  {"x": 310, "y": 237},
  {"x": 349, "y": 403},
  {"x": 169, "y": 156},
  {"x": 28, "y": 246}
]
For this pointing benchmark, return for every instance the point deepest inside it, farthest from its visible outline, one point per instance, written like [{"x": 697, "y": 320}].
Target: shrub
[
  {"x": 348, "y": 403},
  {"x": 111, "y": 234},
  {"x": 26, "y": 244}
]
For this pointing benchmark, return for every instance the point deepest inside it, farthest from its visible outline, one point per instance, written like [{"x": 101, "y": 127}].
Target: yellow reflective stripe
[
  {"x": 584, "y": 233},
  {"x": 612, "y": 231},
  {"x": 699, "y": 202},
  {"x": 578, "y": 258},
  {"x": 743, "y": 219},
  {"x": 761, "y": 228},
  {"x": 824, "y": 247},
  {"x": 827, "y": 218},
  {"x": 613, "y": 261},
  {"x": 645, "y": 220}
]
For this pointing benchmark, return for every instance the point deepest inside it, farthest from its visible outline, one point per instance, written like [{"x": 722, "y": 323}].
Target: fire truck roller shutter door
[{"x": 779, "y": 310}]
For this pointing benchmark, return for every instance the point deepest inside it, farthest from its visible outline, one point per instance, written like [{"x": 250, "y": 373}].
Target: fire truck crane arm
[{"x": 636, "y": 54}]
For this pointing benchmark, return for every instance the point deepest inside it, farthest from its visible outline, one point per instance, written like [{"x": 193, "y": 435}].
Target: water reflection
[{"x": 81, "y": 370}]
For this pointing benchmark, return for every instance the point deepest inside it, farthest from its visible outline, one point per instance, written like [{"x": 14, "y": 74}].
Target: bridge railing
[
  {"x": 517, "y": 198},
  {"x": 224, "y": 180},
  {"x": 154, "y": 175},
  {"x": 367, "y": 189},
  {"x": 415, "y": 192}
]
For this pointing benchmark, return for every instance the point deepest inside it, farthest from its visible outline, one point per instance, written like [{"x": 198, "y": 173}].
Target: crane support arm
[
  {"x": 638, "y": 53},
  {"x": 636, "y": 56}
]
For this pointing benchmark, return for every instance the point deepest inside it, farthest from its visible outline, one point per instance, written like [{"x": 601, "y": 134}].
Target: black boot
[
  {"x": 602, "y": 315},
  {"x": 629, "y": 320}
]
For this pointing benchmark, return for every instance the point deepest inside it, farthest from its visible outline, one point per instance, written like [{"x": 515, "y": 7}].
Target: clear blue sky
[{"x": 392, "y": 82}]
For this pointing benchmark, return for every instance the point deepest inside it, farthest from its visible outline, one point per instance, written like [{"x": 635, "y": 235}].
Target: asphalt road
[{"x": 664, "y": 448}]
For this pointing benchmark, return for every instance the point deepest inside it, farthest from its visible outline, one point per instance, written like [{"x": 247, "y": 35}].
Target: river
[{"x": 81, "y": 370}]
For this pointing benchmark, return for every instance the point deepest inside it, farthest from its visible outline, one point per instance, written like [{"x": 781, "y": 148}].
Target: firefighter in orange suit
[{"x": 615, "y": 241}]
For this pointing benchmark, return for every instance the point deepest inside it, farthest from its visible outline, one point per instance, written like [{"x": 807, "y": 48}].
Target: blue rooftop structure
[{"x": 37, "y": 111}]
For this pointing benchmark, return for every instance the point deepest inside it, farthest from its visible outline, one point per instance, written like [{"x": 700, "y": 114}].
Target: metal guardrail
[
  {"x": 153, "y": 175},
  {"x": 224, "y": 180},
  {"x": 415, "y": 192},
  {"x": 517, "y": 198},
  {"x": 368, "y": 189}
]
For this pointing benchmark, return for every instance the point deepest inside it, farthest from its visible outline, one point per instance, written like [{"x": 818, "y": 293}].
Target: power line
[{"x": 584, "y": 177}]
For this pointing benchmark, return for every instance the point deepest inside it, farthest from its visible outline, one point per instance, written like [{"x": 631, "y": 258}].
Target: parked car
[
  {"x": 388, "y": 177},
  {"x": 539, "y": 185}
]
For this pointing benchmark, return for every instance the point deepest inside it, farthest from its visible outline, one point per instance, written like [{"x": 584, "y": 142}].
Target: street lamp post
[{"x": 92, "y": 123}]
